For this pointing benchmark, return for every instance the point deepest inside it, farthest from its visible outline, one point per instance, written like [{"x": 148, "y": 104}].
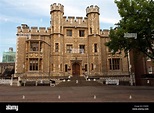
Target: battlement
[
  {"x": 104, "y": 32},
  {"x": 26, "y": 29},
  {"x": 56, "y": 7},
  {"x": 92, "y": 9},
  {"x": 75, "y": 21}
]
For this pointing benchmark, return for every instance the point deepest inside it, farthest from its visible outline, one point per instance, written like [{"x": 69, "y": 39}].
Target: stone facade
[{"x": 70, "y": 46}]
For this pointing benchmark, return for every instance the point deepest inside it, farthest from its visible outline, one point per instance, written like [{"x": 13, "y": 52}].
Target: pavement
[
  {"x": 77, "y": 91},
  {"x": 76, "y": 95}
]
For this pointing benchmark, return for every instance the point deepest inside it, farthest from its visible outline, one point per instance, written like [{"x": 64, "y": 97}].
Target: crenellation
[
  {"x": 75, "y": 21},
  {"x": 85, "y": 19},
  {"x": 34, "y": 29},
  {"x": 79, "y": 19},
  {"x": 57, "y": 7},
  {"x": 104, "y": 32},
  {"x": 71, "y": 19},
  {"x": 92, "y": 9},
  {"x": 24, "y": 25},
  {"x": 19, "y": 29},
  {"x": 48, "y": 30},
  {"x": 42, "y": 29},
  {"x": 101, "y": 32},
  {"x": 25, "y": 29}
]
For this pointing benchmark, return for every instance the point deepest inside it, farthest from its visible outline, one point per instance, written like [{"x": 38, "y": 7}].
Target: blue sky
[{"x": 13, "y": 13}]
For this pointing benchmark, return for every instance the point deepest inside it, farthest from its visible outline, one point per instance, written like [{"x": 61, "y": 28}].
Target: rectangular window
[
  {"x": 66, "y": 67},
  {"x": 114, "y": 64},
  {"x": 81, "y": 33},
  {"x": 110, "y": 64},
  {"x": 61, "y": 66},
  {"x": 150, "y": 70},
  {"x": 40, "y": 64},
  {"x": 34, "y": 46},
  {"x": 95, "y": 48},
  {"x": 85, "y": 67},
  {"x": 10, "y": 58},
  {"x": 69, "y": 32},
  {"x": 56, "y": 47},
  {"x": 69, "y": 48},
  {"x": 33, "y": 64},
  {"x": 82, "y": 49},
  {"x": 90, "y": 30},
  {"x": 92, "y": 66}
]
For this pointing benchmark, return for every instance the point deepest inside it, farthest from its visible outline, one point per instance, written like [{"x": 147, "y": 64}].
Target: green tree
[{"x": 137, "y": 16}]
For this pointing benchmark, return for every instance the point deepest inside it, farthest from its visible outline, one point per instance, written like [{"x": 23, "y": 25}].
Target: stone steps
[
  {"x": 14, "y": 83},
  {"x": 78, "y": 81}
]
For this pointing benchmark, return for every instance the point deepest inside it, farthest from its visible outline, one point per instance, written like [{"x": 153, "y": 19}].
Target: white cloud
[
  {"x": 108, "y": 9},
  {"x": 109, "y": 20},
  {"x": 15, "y": 19},
  {"x": 71, "y": 8}
]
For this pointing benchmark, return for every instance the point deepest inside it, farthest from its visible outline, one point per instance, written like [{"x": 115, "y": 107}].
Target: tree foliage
[{"x": 137, "y": 16}]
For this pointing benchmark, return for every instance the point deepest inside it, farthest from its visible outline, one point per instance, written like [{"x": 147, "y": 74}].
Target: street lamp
[{"x": 130, "y": 36}]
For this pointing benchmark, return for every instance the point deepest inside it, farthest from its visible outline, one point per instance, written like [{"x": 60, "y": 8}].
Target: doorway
[{"x": 76, "y": 69}]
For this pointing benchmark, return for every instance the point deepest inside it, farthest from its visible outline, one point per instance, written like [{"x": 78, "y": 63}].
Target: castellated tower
[
  {"x": 92, "y": 13},
  {"x": 57, "y": 11}
]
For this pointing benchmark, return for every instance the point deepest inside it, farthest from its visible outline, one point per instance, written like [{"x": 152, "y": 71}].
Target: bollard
[
  {"x": 76, "y": 81},
  {"x": 130, "y": 97},
  {"x": 94, "y": 96},
  {"x": 58, "y": 96},
  {"x": 36, "y": 83},
  {"x": 23, "y": 97}
]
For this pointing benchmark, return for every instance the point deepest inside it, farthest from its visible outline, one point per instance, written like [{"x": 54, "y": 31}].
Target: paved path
[
  {"x": 101, "y": 93},
  {"x": 77, "y": 91},
  {"x": 98, "y": 98}
]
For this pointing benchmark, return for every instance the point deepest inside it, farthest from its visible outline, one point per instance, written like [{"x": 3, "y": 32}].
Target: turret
[
  {"x": 56, "y": 12},
  {"x": 92, "y": 13}
]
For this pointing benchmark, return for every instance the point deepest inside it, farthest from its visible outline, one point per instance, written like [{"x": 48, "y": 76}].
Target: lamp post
[
  {"x": 130, "y": 70},
  {"x": 130, "y": 36}
]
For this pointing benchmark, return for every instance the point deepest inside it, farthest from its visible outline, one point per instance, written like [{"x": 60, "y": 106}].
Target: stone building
[
  {"x": 69, "y": 46},
  {"x": 9, "y": 57},
  {"x": 7, "y": 66}
]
